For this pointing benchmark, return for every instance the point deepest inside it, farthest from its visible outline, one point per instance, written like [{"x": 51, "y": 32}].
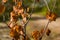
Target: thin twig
[
  {"x": 44, "y": 30},
  {"x": 47, "y": 23},
  {"x": 26, "y": 25},
  {"x": 54, "y": 5},
  {"x": 28, "y": 21},
  {"x": 47, "y": 5}
]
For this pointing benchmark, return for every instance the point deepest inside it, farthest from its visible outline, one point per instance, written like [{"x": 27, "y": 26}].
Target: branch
[{"x": 44, "y": 30}]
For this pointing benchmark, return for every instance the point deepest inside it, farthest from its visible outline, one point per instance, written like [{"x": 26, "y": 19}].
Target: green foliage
[
  {"x": 57, "y": 9},
  {"x": 57, "y": 6}
]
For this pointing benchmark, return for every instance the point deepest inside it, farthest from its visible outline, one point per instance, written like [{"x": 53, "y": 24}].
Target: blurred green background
[{"x": 39, "y": 7}]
